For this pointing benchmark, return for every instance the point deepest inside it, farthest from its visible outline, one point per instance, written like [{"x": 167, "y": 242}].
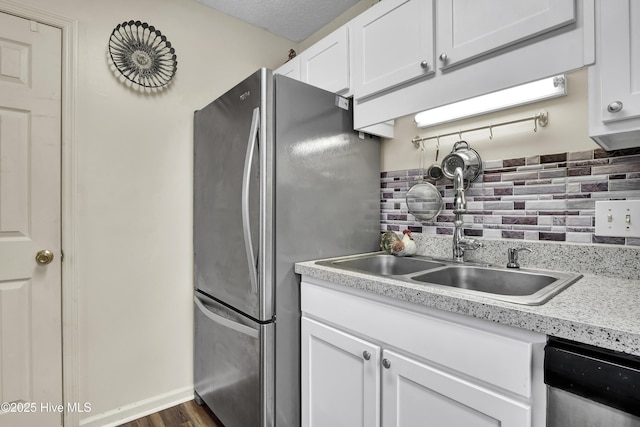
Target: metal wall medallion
[{"x": 142, "y": 54}]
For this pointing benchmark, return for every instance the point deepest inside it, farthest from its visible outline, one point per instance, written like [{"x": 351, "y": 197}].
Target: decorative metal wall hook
[{"x": 542, "y": 118}]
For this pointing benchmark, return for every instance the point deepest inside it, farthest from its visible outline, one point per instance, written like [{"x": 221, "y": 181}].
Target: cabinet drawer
[{"x": 497, "y": 354}]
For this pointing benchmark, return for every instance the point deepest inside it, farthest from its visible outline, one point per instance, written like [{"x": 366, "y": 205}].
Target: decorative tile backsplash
[{"x": 546, "y": 197}]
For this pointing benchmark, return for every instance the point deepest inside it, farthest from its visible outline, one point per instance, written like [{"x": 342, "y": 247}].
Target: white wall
[
  {"x": 135, "y": 196},
  {"x": 567, "y": 131}
]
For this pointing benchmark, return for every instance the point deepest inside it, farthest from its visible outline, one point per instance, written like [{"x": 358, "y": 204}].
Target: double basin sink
[{"x": 521, "y": 286}]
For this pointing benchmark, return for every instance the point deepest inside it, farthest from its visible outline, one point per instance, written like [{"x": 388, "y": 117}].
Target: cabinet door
[
  {"x": 415, "y": 394},
  {"x": 326, "y": 63},
  {"x": 614, "y": 82},
  {"x": 290, "y": 69},
  {"x": 468, "y": 29},
  {"x": 619, "y": 59},
  {"x": 393, "y": 44},
  {"x": 340, "y": 378}
]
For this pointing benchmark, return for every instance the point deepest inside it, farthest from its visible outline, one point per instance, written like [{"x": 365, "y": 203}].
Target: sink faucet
[{"x": 460, "y": 243}]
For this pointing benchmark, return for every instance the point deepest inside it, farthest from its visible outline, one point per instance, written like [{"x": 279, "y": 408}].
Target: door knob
[
  {"x": 386, "y": 363},
  {"x": 366, "y": 355},
  {"x": 44, "y": 257}
]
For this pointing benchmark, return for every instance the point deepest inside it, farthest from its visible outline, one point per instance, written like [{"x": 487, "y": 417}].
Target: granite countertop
[{"x": 597, "y": 310}]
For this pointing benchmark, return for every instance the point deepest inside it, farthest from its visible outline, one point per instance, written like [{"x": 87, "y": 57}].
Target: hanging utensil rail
[{"x": 540, "y": 119}]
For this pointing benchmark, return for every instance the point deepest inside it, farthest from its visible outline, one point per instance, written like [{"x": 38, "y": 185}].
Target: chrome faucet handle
[
  {"x": 513, "y": 256},
  {"x": 470, "y": 243}
]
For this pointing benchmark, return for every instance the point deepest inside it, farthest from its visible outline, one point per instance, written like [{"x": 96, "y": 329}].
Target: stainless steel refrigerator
[{"x": 279, "y": 177}]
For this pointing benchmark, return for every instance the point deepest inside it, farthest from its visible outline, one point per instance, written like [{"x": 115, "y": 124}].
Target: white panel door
[
  {"x": 290, "y": 69},
  {"x": 340, "y": 378},
  {"x": 30, "y": 293},
  {"x": 392, "y": 44},
  {"x": 416, "y": 394},
  {"x": 619, "y": 59},
  {"x": 326, "y": 64},
  {"x": 471, "y": 28}
]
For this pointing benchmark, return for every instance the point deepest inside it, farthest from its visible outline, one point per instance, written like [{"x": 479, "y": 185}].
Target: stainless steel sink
[
  {"x": 521, "y": 286},
  {"x": 383, "y": 264},
  {"x": 501, "y": 282},
  {"x": 530, "y": 287}
]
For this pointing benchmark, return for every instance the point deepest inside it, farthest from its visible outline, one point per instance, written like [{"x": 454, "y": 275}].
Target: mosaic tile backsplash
[{"x": 545, "y": 197}]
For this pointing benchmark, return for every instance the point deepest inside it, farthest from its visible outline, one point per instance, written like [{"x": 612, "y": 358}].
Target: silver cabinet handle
[
  {"x": 386, "y": 363},
  {"x": 614, "y": 107},
  {"x": 366, "y": 355},
  {"x": 424, "y": 64},
  {"x": 443, "y": 57}
]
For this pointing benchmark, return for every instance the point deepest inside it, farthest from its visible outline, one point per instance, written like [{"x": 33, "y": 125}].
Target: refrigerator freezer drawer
[{"x": 233, "y": 371}]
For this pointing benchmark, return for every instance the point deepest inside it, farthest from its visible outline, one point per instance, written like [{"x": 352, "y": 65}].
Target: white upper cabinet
[
  {"x": 468, "y": 29},
  {"x": 290, "y": 69},
  {"x": 482, "y": 46},
  {"x": 614, "y": 82},
  {"x": 392, "y": 44},
  {"x": 327, "y": 64}
]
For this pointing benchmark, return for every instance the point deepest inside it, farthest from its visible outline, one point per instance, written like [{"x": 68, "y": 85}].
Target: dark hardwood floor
[{"x": 188, "y": 414}]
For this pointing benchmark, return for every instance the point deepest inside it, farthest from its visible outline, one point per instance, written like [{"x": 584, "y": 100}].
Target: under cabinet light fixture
[{"x": 548, "y": 88}]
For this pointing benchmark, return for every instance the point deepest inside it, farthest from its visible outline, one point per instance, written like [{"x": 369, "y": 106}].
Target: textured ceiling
[{"x": 292, "y": 19}]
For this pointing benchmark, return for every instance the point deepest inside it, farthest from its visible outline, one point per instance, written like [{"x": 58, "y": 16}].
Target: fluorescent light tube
[{"x": 548, "y": 88}]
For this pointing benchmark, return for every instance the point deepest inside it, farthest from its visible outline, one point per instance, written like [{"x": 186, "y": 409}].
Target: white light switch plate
[{"x": 618, "y": 218}]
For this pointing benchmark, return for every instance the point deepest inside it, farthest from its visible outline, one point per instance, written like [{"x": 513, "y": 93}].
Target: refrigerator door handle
[
  {"x": 246, "y": 224},
  {"x": 243, "y": 329}
]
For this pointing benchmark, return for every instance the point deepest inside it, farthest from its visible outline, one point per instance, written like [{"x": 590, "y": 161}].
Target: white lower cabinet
[
  {"x": 415, "y": 393},
  {"x": 368, "y": 363},
  {"x": 340, "y": 378}
]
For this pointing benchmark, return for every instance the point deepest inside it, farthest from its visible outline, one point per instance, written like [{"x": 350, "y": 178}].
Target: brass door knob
[{"x": 44, "y": 257}]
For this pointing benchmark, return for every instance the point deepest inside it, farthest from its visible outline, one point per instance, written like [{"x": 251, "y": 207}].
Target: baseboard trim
[{"x": 139, "y": 409}]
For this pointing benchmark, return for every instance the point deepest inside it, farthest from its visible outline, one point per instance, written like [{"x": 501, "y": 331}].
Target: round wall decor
[{"x": 142, "y": 54}]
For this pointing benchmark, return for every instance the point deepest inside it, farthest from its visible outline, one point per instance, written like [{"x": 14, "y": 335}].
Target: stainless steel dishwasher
[{"x": 590, "y": 386}]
